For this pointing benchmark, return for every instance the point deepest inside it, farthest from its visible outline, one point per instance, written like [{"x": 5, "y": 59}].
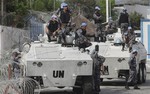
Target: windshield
[{"x": 138, "y": 34}]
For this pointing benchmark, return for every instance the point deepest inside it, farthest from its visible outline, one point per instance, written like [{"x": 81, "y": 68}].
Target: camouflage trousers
[
  {"x": 132, "y": 76},
  {"x": 124, "y": 27},
  {"x": 97, "y": 80}
]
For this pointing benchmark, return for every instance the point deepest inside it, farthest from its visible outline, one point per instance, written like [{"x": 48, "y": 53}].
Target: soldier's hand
[{"x": 54, "y": 33}]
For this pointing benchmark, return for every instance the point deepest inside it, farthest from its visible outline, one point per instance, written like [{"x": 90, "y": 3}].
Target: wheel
[
  {"x": 84, "y": 85},
  {"x": 87, "y": 85},
  {"x": 139, "y": 75},
  {"x": 78, "y": 86},
  {"x": 143, "y": 68}
]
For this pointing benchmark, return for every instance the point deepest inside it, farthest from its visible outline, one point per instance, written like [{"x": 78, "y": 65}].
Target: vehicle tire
[
  {"x": 143, "y": 68},
  {"x": 78, "y": 86},
  {"x": 139, "y": 75},
  {"x": 87, "y": 85}
]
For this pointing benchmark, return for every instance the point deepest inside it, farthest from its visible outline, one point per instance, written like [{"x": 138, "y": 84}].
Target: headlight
[
  {"x": 34, "y": 63},
  {"x": 39, "y": 64},
  {"x": 84, "y": 62},
  {"x": 120, "y": 59},
  {"x": 79, "y": 63}
]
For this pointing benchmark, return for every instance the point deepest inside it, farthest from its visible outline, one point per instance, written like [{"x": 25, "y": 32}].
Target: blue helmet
[
  {"x": 84, "y": 24},
  {"x": 97, "y": 8},
  {"x": 63, "y": 5}
]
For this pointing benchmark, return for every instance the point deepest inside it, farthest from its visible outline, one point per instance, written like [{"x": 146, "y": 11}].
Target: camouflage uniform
[
  {"x": 132, "y": 37},
  {"x": 132, "y": 71},
  {"x": 16, "y": 64},
  {"x": 123, "y": 20},
  {"x": 98, "y": 61},
  {"x": 81, "y": 40},
  {"x": 98, "y": 21},
  {"x": 124, "y": 27}
]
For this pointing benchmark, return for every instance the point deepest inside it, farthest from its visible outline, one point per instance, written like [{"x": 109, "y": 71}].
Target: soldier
[
  {"x": 82, "y": 30},
  {"x": 97, "y": 20},
  {"x": 131, "y": 36},
  {"x": 132, "y": 70},
  {"x": 110, "y": 28},
  {"x": 98, "y": 63},
  {"x": 16, "y": 55},
  {"x": 80, "y": 37},
  {"x": 52, "y": 27},
  {"x": 65, "y": 19},
  {"x": 124, "y": 37},
  {"x": 60, "y": 9},
  {"x": 128, "y": 38},
  {"x": 65, "y": 15},
  {"x": 123, "y": 20}
]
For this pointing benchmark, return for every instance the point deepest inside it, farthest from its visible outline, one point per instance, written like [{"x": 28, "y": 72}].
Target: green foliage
[
  {"x": 102, "y": 4},
  {"x": 16, "y": 10},
  {"x": 18, "y": 6},
  {"x": 21, "y": 9},
  {"x": 113, "y": 12},
  {"x": 21, "y": 6},
  {"x": 45, "y": 5},
  {"x": 39, "y": 5},
  {"x": 49, "y": 4},
  {"x": 135, "y": 20},
  {"x": 86, "y": 7}
]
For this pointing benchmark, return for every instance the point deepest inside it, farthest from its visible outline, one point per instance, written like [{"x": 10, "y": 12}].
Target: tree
[
  {"x": 39, "y": 5},
  {"x": 18, "y": 6},
  {"x": 135, "y": 20},
  {"x": 102, "y": 4},
  {"x": 86, "y": 6},
  {"x": 15, "y": 10},
  {"x": 45, "y": 5}
]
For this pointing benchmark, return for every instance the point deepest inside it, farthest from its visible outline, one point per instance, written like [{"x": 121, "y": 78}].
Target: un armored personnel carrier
[
  {"x": 55, "y": 66},
  {"x": 116, "y": 63}
]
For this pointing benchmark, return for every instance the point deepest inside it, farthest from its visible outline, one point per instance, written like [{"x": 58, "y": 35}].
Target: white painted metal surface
[
  {"x": 145, "y": 35},
  {"x": 113, "y": 53},
  {"x": 56, "y": 60}
]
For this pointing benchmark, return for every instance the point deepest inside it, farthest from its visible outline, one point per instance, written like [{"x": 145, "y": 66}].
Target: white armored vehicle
[
  {"x": 116, "y": 63},
  {"x": 55, "y": 66}
]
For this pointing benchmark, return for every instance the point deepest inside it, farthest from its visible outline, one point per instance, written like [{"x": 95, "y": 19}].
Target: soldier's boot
[
  {"x": 49, "y": 38},
  {"x": 59, "y": 39},
  {"x": 127, "y": 86},
  {"x": 136, "y": 87},
  {"x": 123, "y": 46}
]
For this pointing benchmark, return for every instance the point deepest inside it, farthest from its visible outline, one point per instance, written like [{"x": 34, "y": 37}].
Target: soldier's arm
[
  {"x": 46, "y": 28},
  {"x": 93, "y": 54},
  {"x": 130, "y": 61},
  {"x": 95, "y": 16}
]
